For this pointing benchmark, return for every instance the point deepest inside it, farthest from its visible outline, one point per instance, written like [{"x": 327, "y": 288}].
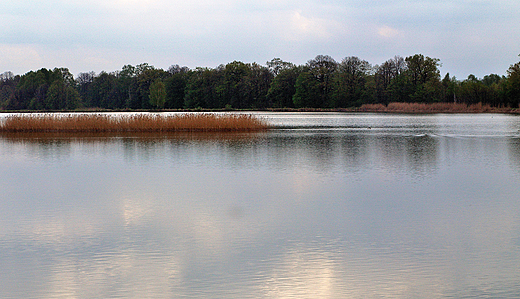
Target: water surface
[{"x": 327, "y": 205}]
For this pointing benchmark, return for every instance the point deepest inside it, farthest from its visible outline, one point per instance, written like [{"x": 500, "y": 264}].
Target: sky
[{"x": 477, "y": 37}]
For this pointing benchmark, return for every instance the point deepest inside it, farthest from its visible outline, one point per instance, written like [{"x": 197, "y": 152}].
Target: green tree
[
  {"x": 38, "y": 101},
  {"x": 61, "y": 96},
  {"x": 489, "y": 91},
  {"x": 158, "y": 94},
  {"x": 309, "y": 91},
  {"x": 8, "y": 83},
  {"x": 256, "y": 84},
  {"x": 45, "y": 89},
  {"x": 102, "y": 90},
  {"x": 425, "y": 78},
  {"x": 128, "y": 88},
  {"x": 146, "y": 75},
  {"x": 276, "y": 65},
  {"x": 31, "y": 85},
  {"x": 233, "y": 88},
  {"x": 401, "y": 89},
  {"x": 387, "y": 83},
  {"x": 203, "y": 88},
  {"x": 491, "y": 79},
  {"x": 84, "y": 85},
  {"x": 350, "y": 82},
  {"x": 450, "y": 87},
  {"x": 175, "y": 89},
  {"x": 283, "y": 88},
  {"x": 322, "y": 67},
  {"x": 513, "y": 85}
]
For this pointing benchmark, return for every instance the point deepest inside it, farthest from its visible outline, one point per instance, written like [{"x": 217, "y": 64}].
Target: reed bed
[
  {"x": 97, "y": 123},
  {"x": 433, "y": 108}
]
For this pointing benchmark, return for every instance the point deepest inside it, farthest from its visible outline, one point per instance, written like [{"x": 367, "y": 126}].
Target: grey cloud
[{"x": 207, "y": 33}]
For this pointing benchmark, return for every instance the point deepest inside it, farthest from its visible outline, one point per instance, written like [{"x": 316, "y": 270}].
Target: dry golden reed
[
  {"x": 432, "y": 108},
  {"x": 196, "y": 122}
]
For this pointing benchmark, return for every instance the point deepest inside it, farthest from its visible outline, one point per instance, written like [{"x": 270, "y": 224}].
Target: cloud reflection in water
[{"x": 282, "y": 214}]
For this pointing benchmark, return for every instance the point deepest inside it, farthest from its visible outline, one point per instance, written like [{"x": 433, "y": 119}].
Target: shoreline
[{"x": 394, "y": 107}]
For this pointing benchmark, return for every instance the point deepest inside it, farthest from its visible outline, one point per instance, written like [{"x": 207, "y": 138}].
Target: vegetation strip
[
  {"x": 321, "y": 83},
  {"x": 199, "y": 122},
  {"x": 435, "y": 108}
]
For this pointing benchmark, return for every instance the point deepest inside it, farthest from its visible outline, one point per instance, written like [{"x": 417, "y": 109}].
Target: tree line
[{"x": 320, "y": 83}]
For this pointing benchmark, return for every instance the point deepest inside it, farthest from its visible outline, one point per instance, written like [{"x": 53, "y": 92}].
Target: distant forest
[{"x": 321, "y": 83}]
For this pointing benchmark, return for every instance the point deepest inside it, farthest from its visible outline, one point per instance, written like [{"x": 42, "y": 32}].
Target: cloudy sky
[{"x": 469, "y": 36}]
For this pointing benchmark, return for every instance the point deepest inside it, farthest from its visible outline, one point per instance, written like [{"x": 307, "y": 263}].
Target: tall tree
[
  {"x": 127, "y": 88},
  {"x": 425, "y": 78},
  {"x": 322, "y": 69},
  {"x": 350, "y": 82},
  {"x": 8, "y": 83},
  {"x": 102, "y": 90},
  {"x": 204, "y": 88},
  {"x": 385, "y": 75},
  {"x": 233, "y": 87},
  {"x": 282, "y": 88},
  {"x": 84, "y": 84},
  {"x": 60, "y": 96},
  {"x": 309, "y": 91},
  {"x": 257, "y": 81},
  {"x": 34, "y": 90},
  {"x": 157, "y": 94},
  {"x": 176, "y": 86},
  {"x": 146, "y": 75},
  {"x": 276, "y": 65},
  {"x": 513, "y": 85},
  {"x": 472, "y": 91},
  {"x": 450, "y": 87}
]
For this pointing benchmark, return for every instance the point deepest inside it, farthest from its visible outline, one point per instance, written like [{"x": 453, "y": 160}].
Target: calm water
[{"x": 325, "y": 206}]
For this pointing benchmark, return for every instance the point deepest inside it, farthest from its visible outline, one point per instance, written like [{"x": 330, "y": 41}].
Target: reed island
[{"x": 99, "y": 123}]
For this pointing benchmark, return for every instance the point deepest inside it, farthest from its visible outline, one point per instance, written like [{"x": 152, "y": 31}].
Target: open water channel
[{"x": 326, "y": 205}]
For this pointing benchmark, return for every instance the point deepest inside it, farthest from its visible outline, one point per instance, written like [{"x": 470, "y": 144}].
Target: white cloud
[
  {"x": 302, "y": 28},
  {"x": 19, "y": 56},
  {"x": 388, "y": 32}
]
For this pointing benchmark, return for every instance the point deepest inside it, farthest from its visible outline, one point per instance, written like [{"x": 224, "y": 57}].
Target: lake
[{"x": 325, "y": 205}]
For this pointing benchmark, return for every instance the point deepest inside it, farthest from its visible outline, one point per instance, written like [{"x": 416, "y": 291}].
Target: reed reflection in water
[{"x": 288, "y": 213}]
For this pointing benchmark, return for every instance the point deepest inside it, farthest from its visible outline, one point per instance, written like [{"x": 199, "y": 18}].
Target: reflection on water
[{"x": 326, "y": 206}]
